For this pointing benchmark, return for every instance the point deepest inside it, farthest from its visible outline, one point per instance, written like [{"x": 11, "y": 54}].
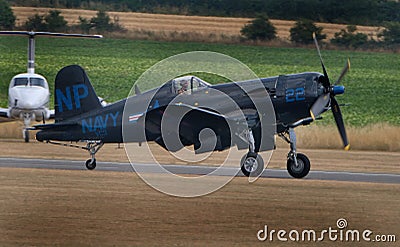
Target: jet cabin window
[{"x": 37, "y": 82}]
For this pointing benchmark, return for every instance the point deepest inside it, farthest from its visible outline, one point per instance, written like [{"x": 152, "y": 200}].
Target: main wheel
[
  {"x": 252, "y": 164},
  {"x": 90, "y": 165},
  {"x": 26, "y": 135},
  {"x": 302, "y": 168}
]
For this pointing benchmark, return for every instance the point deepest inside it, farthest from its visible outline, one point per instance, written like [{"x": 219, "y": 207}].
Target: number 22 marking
[{"x": 295, "y": 94}]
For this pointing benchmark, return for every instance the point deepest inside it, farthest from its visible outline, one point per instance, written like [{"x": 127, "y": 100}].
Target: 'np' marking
[{"x": 79, "y": 92}]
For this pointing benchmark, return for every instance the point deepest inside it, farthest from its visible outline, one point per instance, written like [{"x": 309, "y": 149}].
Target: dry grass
[
  {"x": 378, "y": 137},
  {"x": 81, "y": 208},
  {"x": 11, "y": 130},
  {"x": 177, "y": 36},
  {"x": 169, "y": 25}
]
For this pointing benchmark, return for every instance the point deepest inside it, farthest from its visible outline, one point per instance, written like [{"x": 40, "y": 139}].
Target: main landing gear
[
  {"x": 251, "y": 164},
  {"x": 298, "y": 165}
]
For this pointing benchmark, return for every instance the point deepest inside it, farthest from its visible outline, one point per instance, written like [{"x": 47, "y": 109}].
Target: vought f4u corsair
[{"x": 297, "y": 99}]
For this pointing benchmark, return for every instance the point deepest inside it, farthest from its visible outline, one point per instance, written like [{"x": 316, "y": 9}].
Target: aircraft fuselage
[{"x": 291, "y": 96}]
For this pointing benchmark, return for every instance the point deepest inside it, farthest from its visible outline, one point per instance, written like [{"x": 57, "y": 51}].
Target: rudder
[{"x": 73, "y": 93}]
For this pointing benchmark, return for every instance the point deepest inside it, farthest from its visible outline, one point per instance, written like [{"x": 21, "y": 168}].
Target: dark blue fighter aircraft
[{"x": 297, "y": 99}]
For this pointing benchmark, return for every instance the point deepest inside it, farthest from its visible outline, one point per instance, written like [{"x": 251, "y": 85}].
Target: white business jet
[{"x": 28, "y": 93}]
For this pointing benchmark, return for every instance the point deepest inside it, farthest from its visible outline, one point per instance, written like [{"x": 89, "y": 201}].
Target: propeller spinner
[{"x": 329, "y": 96}]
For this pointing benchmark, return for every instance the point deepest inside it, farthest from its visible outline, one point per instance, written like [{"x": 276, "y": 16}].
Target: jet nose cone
[
  {"x": 29, "y": 97},
  {"x": 338, "y": 90},
  {"x": 26, "y": 103}
]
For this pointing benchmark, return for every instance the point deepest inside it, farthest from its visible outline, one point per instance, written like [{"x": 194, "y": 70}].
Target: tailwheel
[
  {"x": 90, "y": 164},
  {"x": 301, "y": 169},
  {"x": 93, "y": 147},
  {"x": 252, "y": 164}
]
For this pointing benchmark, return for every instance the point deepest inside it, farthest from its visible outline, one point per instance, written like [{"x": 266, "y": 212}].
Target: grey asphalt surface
[{"x": 195, "y": 170}]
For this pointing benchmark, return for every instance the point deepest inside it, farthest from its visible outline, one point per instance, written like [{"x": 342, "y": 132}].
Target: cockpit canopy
[
  {"x": 28, "y": 80},
  {"x": 188, "y": 84}
]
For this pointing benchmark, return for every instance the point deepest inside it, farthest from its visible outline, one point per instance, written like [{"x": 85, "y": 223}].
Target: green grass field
[{"x": 372, "y": 86}]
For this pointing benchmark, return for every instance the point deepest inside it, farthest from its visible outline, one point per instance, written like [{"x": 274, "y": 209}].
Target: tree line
[
  {"x": 360, "y": 12},
  {"x": 303, "y": 30},
  {"x": 53, "y": 21},
  {"x": 260, "y": 28}
]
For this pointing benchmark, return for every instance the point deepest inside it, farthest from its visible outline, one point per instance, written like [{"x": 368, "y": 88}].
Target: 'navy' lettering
[{"x": 99, "y": 122}]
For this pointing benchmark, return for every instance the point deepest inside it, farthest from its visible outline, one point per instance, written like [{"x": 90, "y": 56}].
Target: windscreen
[
  {"x": 20, "y": 82},
  {"x": 38, "y": 82}
]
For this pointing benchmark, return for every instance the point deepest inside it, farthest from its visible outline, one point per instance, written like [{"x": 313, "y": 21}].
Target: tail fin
[{"x": 74, "y": 94}]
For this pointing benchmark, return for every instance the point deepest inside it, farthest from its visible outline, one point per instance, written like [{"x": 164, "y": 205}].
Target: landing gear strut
[
  {"x": 27, "y": 123},
  {"x": 93, "y": 148},
  {"x": 298, "y": 165},
  {"x": 251, "y": 163},
  {"x": 25, "y": 134}
]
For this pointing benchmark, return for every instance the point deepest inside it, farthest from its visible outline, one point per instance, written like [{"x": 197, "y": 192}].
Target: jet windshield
[
  {"x": 21, "y": 82},
  {"x": 38, "y": 82},
  {"x": 188, "y": 84},
  {"x": 24, "y": 81}
]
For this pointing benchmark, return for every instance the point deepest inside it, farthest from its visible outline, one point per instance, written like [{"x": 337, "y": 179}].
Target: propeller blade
[
  {"x": 339, "y": 122},
  {"x": 326, "y": 81},
  {"x": 319, "y": 105},
  {"x": 344, "y": 71}
]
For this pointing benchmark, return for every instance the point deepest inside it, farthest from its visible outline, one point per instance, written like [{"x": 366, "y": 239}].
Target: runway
[{"x": 196, "y": 170}]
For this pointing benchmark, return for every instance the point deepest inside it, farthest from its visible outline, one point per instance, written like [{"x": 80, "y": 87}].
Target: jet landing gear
[
  {"x": 25, "y": 135},
  {"x": 27, "y": 123},
  {"x": 298, "y": 165},
  {"x": 93, "y": 148},
  {"x": 251, "y": 163}
]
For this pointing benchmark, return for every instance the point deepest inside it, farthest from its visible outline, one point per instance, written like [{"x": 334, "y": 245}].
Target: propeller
[{"x": 330, "y": 91}]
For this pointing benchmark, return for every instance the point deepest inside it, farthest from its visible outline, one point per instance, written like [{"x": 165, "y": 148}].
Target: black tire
[
  {"x": 252, "y": 164},
  {"x": 26, "y": 135},
  {"x": 303, "y": 166},
  {"x": 90, "y": 165}
]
